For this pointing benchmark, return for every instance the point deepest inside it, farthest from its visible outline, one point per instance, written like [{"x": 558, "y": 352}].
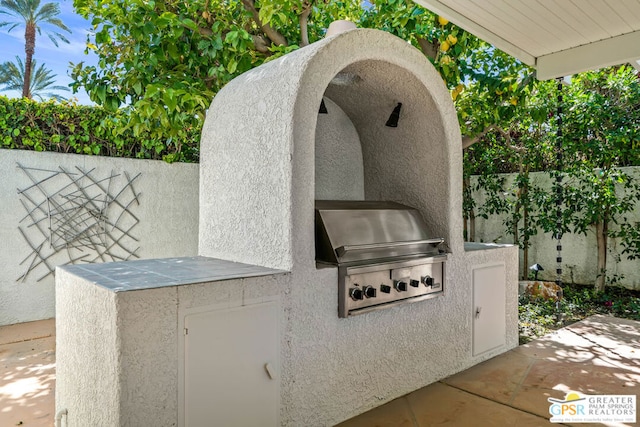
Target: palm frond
[
  {"x": 11, "y": 27},
  {"x": 19, "y": 8},
  {"x": 42, "y": 79},
  {"x": 53, "y": 39},
  {"x": 27, "y": 12},
  {"x": 58, "y": 23},
  {"x": 55, "y": 36},
  {"x": 48, "y": 10}
]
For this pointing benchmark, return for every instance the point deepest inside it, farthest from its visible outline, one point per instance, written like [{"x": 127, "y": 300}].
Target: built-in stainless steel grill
[{"x": 383, "y": 252}]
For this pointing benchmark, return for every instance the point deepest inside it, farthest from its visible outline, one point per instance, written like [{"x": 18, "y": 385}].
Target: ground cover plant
[{"x": 539, "y": 316}]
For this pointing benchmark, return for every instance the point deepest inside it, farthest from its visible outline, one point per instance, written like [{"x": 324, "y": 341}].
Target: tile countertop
[{"x": 157, "y": 273}]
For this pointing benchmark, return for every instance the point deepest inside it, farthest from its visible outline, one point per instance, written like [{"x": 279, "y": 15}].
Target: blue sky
[{"x": 55, "y": 58}]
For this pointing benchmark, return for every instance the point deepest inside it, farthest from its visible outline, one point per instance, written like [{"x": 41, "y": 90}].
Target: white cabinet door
[
  {"x": 489, "y": 301},
  {"x": 231, "y": 371}
]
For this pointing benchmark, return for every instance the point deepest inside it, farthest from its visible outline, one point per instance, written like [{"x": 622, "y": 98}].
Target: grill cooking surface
[{"x": 384, "y": 254}]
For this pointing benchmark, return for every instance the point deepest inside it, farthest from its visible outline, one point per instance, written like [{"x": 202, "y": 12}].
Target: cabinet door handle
[
  {"x": 270, "y": 371},
  {"x": 478, "y": 310}
]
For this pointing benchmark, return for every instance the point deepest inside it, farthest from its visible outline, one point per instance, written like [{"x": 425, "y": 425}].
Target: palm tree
[
  {"x": 12, "y": 75},
  {"x": 29, "y": 13}
]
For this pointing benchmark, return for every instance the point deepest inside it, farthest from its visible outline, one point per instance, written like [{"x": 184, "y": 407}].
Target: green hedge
[{"x": 71, "y": 128}]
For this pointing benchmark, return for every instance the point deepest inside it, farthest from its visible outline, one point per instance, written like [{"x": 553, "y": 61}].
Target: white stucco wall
[
  {"x": 579, "y": 251},
  {"x": 338, "y": 154},
  {"x": 168, "y": 214},
  {"x": 147, "y": 390},
  {"x": 87, "y": 353},
  {"x": 340, "y": 368},
  {"x": 120, "y": 354}
]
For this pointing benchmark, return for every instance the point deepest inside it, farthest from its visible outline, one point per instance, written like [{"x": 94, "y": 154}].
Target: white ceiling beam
[
  {"x": 477, "y": 30},
  {"x": 604, "y": 53}
]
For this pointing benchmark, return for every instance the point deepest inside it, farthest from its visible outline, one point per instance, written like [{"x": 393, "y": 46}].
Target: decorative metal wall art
[{"x": 74, "y": 216}]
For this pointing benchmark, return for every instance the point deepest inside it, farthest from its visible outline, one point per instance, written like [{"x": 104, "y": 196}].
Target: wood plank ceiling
[{"x": 557, "y": 37}]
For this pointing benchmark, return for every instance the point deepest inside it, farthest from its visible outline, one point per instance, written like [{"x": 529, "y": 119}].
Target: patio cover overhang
[{"x": 557, "y": 37}]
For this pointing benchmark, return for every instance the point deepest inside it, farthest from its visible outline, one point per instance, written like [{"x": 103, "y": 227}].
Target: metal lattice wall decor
[{"x": 75, "y": 216}]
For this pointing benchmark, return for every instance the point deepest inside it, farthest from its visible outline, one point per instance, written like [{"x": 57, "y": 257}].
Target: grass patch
[{"x": 538, "y": 316}]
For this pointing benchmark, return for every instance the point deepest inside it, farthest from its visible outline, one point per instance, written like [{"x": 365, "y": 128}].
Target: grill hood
[{"x": 364, "y": 231}]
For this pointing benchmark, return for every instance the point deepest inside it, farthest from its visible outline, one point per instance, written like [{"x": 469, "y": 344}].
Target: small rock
[{"x": 546, "y": 290}]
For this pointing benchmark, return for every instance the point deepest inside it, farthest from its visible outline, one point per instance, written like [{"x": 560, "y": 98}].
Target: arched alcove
[
  {"x": 408, "y": 163},
  {"x": 260, "y": 136}
]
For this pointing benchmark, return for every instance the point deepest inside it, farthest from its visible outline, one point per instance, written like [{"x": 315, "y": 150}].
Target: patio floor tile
[
  {"x": 27, "y": 331},
  {"x": 443, "y": 405},
  {"x": 396, "y": 413},
  {"x": 498, "y": 379}
]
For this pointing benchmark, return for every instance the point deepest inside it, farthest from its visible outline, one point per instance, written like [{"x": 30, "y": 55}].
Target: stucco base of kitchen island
[{"x": 210, "y": 341}]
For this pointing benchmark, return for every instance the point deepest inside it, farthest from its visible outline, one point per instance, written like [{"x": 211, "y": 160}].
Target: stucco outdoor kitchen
[{"x": 249, "y": 332}]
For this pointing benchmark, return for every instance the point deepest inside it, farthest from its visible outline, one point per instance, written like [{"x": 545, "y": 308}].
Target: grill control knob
[
  {"x": 427, "y": 280},
  {"x": 414, "y": 283},
  {"x": 369, "y": 291},
  {"x": 400, "y": 286},
  {"x": 385, "y": 288},
  {"x": 356, "y": 294}
]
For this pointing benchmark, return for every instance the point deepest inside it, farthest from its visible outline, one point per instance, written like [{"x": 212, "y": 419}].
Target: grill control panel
[{"x": 376, "y": 286}]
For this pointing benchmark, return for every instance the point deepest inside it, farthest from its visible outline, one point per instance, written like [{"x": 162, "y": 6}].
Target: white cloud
[
  {"x": 73, "y": 47},
  {"x": 17, "y": 33}
]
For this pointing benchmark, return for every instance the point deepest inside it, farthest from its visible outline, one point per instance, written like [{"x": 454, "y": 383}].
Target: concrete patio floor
[
  {"x": 27, "y": 374},
  {"x": 599, "y": 355}
]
